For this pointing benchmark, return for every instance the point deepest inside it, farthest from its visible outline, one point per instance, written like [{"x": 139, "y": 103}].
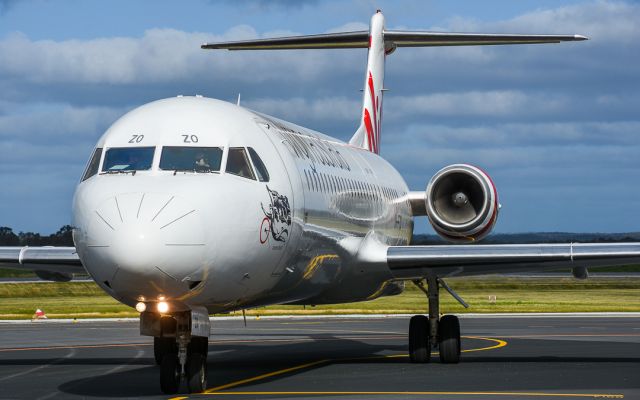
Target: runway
[{"x": 505, "y": 357}]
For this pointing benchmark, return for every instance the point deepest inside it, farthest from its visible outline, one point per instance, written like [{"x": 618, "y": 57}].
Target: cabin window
[
  {"x": 195, "y": 159},
  {"x": 238, "y": 163},
  {"x": 118, "y": 159},
  {"x": 261, "y": 170},
  {"x": 94, "y": 164}
]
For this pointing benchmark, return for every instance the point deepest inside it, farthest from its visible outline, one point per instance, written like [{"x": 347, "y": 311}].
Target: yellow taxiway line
[
  {"x": 216, "y": 390},
  {"x": 417, "y": 393},
  {"x": 498, "y": 343}
]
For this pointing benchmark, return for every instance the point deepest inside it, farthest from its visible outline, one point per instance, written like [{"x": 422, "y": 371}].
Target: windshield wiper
[
  {"x": 120, "y": 171},
  {"x": 197, "y": 171}
]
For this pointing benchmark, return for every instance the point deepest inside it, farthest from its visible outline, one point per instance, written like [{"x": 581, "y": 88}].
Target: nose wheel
[
  {"x": 188, "y": 363},
  {"x": 430, "y": 332},
  {"x": 162, "y": 346},
  {"x": 170, "y": 374}
]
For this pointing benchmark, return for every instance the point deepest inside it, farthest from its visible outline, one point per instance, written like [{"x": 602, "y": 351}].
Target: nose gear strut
[{"x": 181, "y": 342}]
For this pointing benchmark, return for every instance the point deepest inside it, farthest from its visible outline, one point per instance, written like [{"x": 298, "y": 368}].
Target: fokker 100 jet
[{"x": 191, "y": 206}]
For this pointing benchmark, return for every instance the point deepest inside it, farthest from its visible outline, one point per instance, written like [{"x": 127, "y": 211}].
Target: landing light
[
  {"x": 141, "y": 307},
  {"x": 163, "y": 307}
]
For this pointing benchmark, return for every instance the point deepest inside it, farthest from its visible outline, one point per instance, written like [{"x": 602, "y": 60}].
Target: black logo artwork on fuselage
[{"x": 277, "y": 218}]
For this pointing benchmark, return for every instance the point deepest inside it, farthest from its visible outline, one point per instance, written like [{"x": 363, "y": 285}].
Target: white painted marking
[{"x": 72, "y": 352}]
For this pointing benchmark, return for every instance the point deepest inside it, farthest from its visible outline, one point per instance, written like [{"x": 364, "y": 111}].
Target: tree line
[{"x": 61, "y": 238}]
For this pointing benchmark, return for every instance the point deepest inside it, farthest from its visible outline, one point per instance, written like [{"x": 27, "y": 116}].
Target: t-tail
[
  {"x": 380, "y": 43},
  {"x": 368, "y": 134}
]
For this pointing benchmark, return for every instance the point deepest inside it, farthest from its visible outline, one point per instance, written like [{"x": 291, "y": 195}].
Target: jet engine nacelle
[{"x": 462, "y": 203}]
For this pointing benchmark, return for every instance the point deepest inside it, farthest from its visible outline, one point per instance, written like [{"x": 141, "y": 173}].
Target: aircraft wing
[
  {"x": 49, "y": 263},
  {"x": 414, "y": 262}
]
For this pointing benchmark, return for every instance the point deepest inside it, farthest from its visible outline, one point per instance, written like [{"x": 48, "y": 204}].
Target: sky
[{"x": 556, "y": 126}]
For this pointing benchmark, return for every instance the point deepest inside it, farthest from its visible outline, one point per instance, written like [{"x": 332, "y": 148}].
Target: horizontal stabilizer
[
  {"x": 392, "y": 39},
  {"x": 422, "y": 39},
  {"x": 345, "y": 40}
]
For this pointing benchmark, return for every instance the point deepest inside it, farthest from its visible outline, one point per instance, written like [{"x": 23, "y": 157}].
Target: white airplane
[{"x": 191, "y": 206}]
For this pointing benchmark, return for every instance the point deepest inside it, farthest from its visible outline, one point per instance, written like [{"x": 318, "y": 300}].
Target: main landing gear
[
  {"x": 426, "y": 333},
  {"x": 180, "y": 348}
]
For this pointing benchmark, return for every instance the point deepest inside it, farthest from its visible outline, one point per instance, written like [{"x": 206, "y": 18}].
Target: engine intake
[{"x": 462, "y": 203}]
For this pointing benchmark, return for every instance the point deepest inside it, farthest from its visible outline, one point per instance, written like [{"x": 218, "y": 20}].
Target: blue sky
[{"x": 556, "y": 126}]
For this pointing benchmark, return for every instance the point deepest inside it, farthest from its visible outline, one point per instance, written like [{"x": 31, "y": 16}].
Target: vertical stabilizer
[{"x": 368, "y": 134}]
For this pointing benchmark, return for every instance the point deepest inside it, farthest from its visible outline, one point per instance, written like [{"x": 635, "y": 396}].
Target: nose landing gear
[
  {"x": 434, "y": 332},
  {"x": 180, "y": 347},
  {"x": 188, "y": 364}
]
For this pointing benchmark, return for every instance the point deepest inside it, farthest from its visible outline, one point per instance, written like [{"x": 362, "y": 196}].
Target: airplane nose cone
[
  {"x": 136, "y": 246},
  {"x": 147, "y": 244}
]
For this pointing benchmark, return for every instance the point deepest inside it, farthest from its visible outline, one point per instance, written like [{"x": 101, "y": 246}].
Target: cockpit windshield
[
  {"x": 120, "y": 159},
  {"x": 196, "y": 159}
]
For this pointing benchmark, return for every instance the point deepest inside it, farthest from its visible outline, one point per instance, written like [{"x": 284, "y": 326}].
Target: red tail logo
[{"x": 373, "y": 129}]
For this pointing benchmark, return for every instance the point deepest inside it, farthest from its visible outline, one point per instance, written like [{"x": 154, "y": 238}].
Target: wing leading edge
[
  {"x": 49, "y": 263},
  {"x": 413, "y": 262}
]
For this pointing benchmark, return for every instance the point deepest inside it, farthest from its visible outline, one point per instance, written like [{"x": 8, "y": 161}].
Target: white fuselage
[{"x": 226, "y": 241}]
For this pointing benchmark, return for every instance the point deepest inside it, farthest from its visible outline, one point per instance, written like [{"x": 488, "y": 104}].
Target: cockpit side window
[
  {"x": 118, "y": 159},
  {"x": 238, "y": 163},
  {"x": 196, "y": 159},
  {"x": 261, "y": 170},
  {"x": 94, "y": 164}
]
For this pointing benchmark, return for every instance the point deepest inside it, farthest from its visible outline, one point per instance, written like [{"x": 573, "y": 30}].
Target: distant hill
[{"x": 538, "y": 237}]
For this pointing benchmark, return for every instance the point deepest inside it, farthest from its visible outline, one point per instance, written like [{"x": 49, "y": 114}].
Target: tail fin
[
  {"x": 368, "y": 134},
  {"x": 380, "y": 43}
]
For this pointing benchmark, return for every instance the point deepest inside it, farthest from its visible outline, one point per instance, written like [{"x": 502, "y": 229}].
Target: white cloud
[
  {"x": 475, "y": 103},
  {"x": 44, "y": 123},
  {"x": 161, "y": 55},
  {"x": 333, "y": 108},
  {"x": 507, "y": 135}
]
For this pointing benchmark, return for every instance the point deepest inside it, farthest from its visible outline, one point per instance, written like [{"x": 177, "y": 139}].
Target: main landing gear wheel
[
  {"x": 196, "y": 373},
  {"x": 449, "y": 339},
  {"x": 170, "y": 374},
  {"x": 445, "y": 331},
  {"x": 419, "y": 343}
]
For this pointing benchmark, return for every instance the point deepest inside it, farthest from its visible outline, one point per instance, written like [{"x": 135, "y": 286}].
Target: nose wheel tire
[
  {"x": 449, "y": 337},
  {"x": 199, "y": 345},
  {"x": 170, "y": 374},
  {"x": 419, "y": 343},
  {"x": 162, "y": 346},
  {"x": 196, "y": 373}
]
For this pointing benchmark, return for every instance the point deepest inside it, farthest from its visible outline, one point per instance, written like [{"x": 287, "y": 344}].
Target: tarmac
[{"x": 506, "y": 357}]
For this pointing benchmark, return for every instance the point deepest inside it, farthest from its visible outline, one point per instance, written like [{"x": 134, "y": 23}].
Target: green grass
[
  {"x": 15, "y": 273},
  {"x": 622, "y": 268},
  {"x": 86, "y": 299}
]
